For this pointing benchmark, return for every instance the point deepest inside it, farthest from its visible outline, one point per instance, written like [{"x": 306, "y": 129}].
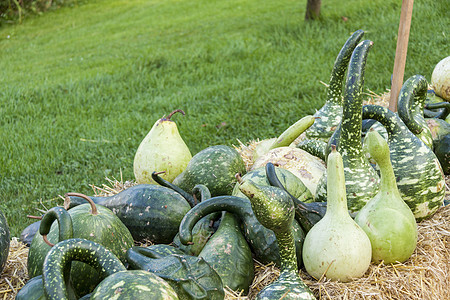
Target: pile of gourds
[{"x": 208, "y": 217}]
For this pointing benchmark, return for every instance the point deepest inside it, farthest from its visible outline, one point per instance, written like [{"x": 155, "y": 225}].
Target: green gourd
[
  {"x": 411, "y": 103},
  {"x": 442, "y": 152},
  {"x": 87, "y": 221},
  {"x": 361, "y": 180},
  {"x": 314, "y": 147},
  {"x": 228, "y": 253},
  {"x": 387, "y": 220},
  {"x": 214, "y": 167},
  {"x": 336, "y": 247},
  {"x": 329, "y": 116},
  {"x": 190, "y": 276},
  {"x": 162, "y": 149},
  {"x": 261, "y": 240},
  {"x": 4, "y": 241},
  {"x": 418, "y": 172},
  {"x": 32, "y": 290},
  {"x": 274, "y": 209},
  {"x": 149, "y": 211}
]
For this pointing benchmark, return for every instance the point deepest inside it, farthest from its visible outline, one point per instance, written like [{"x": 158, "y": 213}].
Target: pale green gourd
[
  {"x": 162, "y": 150},
  {"x": 387, "y": 219},
  {"x": 336, "y": 247}
]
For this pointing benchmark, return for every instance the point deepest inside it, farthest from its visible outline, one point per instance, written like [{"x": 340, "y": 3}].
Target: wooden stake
[{"x": 400, "y": 53}]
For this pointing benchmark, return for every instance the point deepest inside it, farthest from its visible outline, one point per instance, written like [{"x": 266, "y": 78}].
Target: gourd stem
[
  {"x": 175, "y": 111},
  {"x": 87, "y": 198},
  {"x": 189, "y": 198}
]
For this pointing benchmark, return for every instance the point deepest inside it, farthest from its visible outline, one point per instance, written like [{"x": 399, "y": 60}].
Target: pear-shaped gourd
[
  {"x": 274, "y": 209},
  {"x": 387, "y": 219},
  {"x": 336, "y": 247},
  {"x": 162, "y": 149}
]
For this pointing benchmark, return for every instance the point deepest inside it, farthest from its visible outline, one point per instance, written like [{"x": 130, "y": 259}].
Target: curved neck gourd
[
  {"x": 411, "y": 102},
  {"x": 419, "y": 176},
  {"x": 330, "y": 114}
]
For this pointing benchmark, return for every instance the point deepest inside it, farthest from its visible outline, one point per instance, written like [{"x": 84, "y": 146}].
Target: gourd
[
  {"x": 162, "y": 149},
  {"x": 4, "y": 241},
  {"x": 32, "y": 290},
  {"x": 442, "y": 107},
  {"x": 190, "y": 276},
  {"x": 329, "y": 116},
  {"x": 292, "y": 183},
  {"x": 313, "y": 146},
  {"x": 274, "y": 209},
  {"x": 87, "y": 221},
  {"x": 361, "y": 180},
  {"x": 261, "y": 240},
  {"x": 419, "y": 176},
  {"x": 442, "y": 152},
  {"x": 336, "y": 246},
  {"x": 213, "y": 167},
  {"x": 149, "y": 211},
  {"x": 27, "y": 235},
  {"x": 440, "y": 78},
  {"x": 228, "y": 253},
  {"x": 386, "y": 219},
  {"x": 308, "y": 168},
  {"x": 411, "y": 103}
]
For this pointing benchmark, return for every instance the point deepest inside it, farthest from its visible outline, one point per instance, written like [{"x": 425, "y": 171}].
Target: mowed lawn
[{"x": 80, "y": 87}]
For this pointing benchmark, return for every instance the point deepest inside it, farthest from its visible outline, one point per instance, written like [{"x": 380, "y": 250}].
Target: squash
[
  {"x": 87, "y": 221},
  {"x": 330, "y": 114},
  {"x": 361, "y": 180},
  {"x": 190, "y": 276},
  {"x": 411, "y": 103},
  {"x": 261, "y": 240},
  {"x": 213, "y": 167},
  {"x": 150, "y": 212},
  {"x": 274, "y": 209},
  {"x": 387, "y": 219},
  {"x": 336, "y": 247},
  {"x": 418, "y": 172}
]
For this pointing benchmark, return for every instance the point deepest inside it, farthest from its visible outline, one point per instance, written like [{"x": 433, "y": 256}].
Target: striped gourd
[
  {"x": 361, "y": 180},
  {"x": 329, "y": 116},
  {"x": 411, "y": 103},
  {"x": 419, "y": 175}
]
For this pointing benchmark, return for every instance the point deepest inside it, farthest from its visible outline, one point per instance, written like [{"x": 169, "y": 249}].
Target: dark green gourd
[
  {"x": 387, "y": 220},
  {"x": 419, "y": 175},
  {"x": 4, "y": 241},
  {"x": 32, "y": 290},
  {"x": 87, "y": 221},
  {"x": 411, "y": 103},
  {"x": 214, "y": 167},
  {"x": 149, "y": 211},
  {"x": 274, "y": 209},
  {"x": 361, "y": 180},
  {"x": 228, "y": 253},
  {"x": 329, "y": 116},
  {"x": 190, "y": 276},
  {"x": 314, "y": 146},
  {"x": 262, "y": 241}
]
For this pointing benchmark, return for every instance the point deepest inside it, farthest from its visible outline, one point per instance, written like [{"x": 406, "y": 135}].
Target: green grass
[{"x": 82, "y": 86}]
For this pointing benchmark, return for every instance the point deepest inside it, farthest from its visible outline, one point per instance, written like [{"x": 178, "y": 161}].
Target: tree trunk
[{"x": 313, "y": 9}]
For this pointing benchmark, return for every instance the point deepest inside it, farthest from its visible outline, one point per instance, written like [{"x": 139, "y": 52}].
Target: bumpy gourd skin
[{"x": 386, "y": 219}]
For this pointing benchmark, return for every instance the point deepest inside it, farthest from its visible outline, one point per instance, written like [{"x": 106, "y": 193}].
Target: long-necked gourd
[
  {"x": 274, "y": 209},
  {"x": 386, "y": 219},
  {"x": 361, "y": 180},
  {"x": 87, "y": 221},
  {"x": 116, "y": 281},
  {"x": 329, "y": 116},
  {"x": 151, "y": 212},
  {"x": 162, "y": 149},
  {"x": 190, "y": 276},
  {"x": 411, "y": 101},
  {"x": 261, "y": 240},
  {"x": 418, "y": 172},
  {"x": 336, "y": 247}
]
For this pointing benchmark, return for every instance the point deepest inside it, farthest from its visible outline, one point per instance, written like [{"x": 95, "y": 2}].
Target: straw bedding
[{"x": 426, "y": 275}]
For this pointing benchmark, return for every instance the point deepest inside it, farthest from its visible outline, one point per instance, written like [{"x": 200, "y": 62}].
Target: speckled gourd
[
  {"x": 190, "y": 276},
  {"x": 418, "y": 173},
  {"x": 361, "y": 180},
  {"x": 411, "y": 101},
  {"x": 336, "y": 247},
  {"x": 387, "y": 219},
  {"x": 261, "y": 240},
  {"x": 162, "y": 149},
  {"x": 274, "y": 209},
  {"x": 4, "y": 241}
]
